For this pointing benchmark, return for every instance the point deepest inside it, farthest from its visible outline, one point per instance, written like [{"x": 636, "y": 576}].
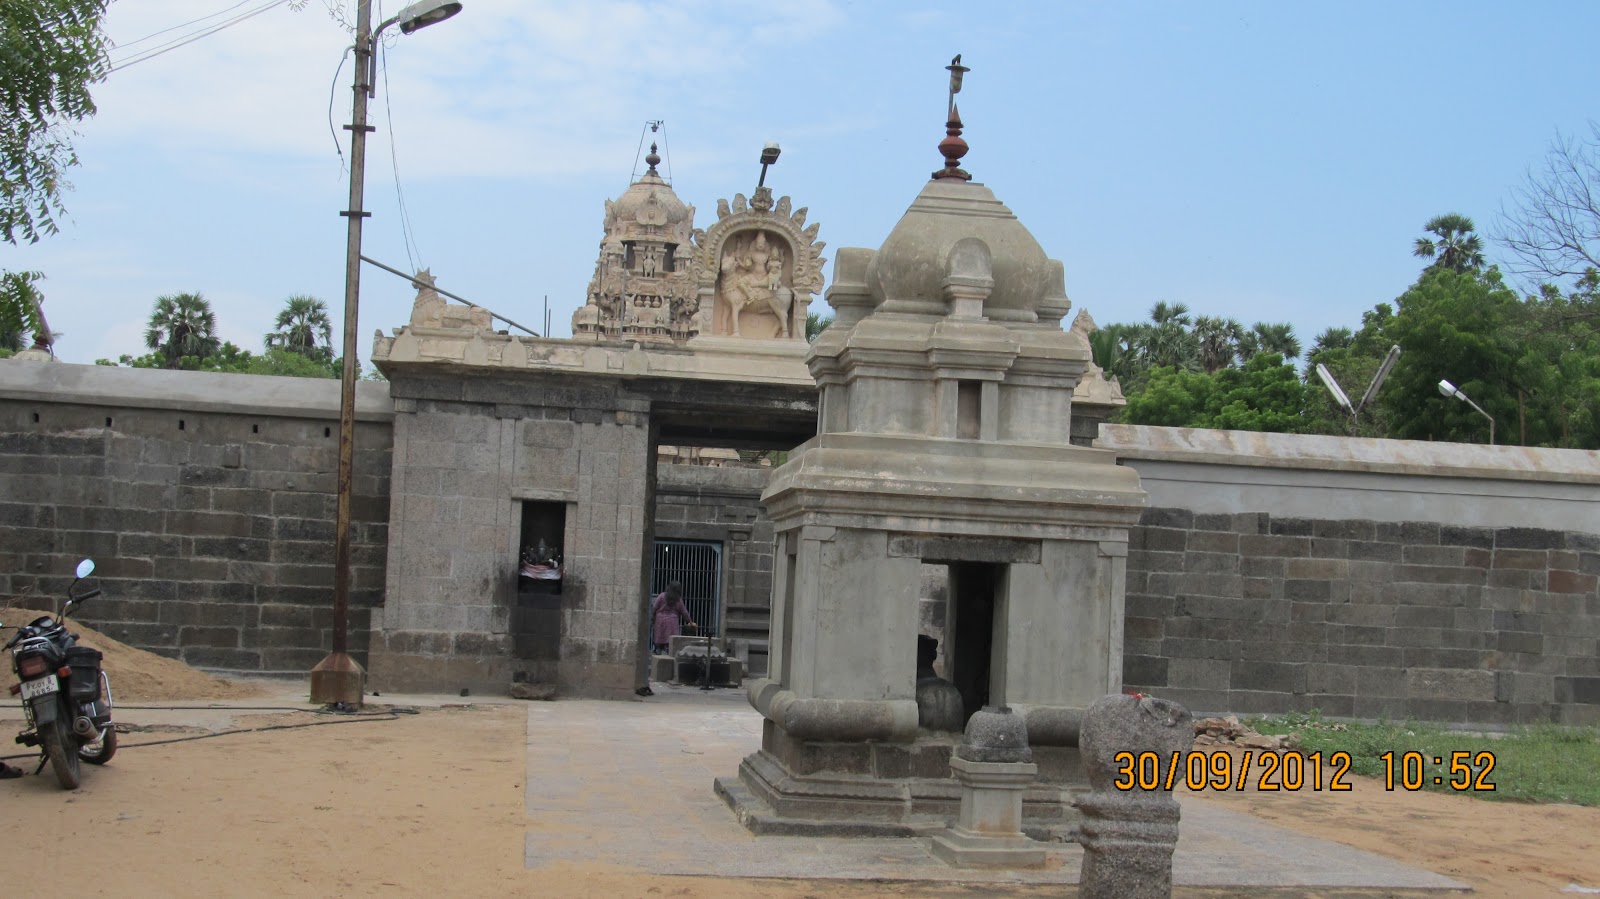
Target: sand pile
[{"x": 136, "y": 675}]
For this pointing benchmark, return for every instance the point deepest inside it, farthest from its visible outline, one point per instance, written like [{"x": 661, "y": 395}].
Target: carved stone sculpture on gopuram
[
  {"x": 642, "y": 288},
  {"x": 751, "y": 275},
  {"x": 757, "y": 269}
]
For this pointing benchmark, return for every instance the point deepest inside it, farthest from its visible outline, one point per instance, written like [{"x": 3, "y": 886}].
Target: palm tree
[
  {"x": 1219, "y": 341},
  {"x": 299, "y": 326},
  {"x": 1457, "y": 249},
  {"x": 181, "y": 325},
  {"x": 1274, "y": 337},
  {"x": 1167, "y": 340},
  {"x": 815, "y": 323}
]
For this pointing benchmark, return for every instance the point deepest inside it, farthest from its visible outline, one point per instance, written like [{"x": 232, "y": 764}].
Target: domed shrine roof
[{"x": 649, "y": 209}]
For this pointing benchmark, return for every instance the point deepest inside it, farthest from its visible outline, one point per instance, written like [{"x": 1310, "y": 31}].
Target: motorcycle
[{"x": 66, "y": 697}]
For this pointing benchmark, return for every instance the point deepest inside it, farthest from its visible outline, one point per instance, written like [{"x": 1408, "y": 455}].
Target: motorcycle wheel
[
  {"x": 100, "y": 752},
  {"x": 62, "y": 748}
]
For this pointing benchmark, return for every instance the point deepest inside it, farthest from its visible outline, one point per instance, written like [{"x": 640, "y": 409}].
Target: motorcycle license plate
[{"x": 41, "y": 687}]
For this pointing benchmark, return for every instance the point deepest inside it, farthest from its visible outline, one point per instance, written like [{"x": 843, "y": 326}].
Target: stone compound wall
[
  {"x": 1389, "y": 580},
  {"x": 206, "y": 501},
  {"x": 1368, "y": 619}
]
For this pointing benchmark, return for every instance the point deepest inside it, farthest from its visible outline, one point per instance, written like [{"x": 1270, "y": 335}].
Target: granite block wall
[
  {"x": 467, "y": 454},
  {"x": 1250, "y": 612},
  {"x": 208, "y": 512}
]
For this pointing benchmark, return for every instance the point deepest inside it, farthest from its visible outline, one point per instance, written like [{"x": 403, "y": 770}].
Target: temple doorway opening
[
  {"x": 697, "y": 566},
  {"x": 969, "y": 631}
]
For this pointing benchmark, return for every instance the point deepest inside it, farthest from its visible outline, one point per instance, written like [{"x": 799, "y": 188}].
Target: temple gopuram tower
[{"x": 946, "y": 387}]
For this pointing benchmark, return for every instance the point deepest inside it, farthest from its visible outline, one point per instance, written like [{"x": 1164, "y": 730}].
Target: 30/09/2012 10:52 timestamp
[{"x": 1291, "y": 771}]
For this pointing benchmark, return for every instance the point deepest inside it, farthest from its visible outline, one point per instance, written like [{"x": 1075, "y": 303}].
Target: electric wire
[
  {"x": 407, "y": 233},
  {"x": 633, "y": 172},
  {"x": 190, "y": 38},
  {"x": 352, "y": 719},
  {"x": 333, "y": 90},
  {"x": 126, "y": 44},
  {"x": 666, "y": 150}
]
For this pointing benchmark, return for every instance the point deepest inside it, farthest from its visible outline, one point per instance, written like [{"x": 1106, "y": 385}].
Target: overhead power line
[
  {"x": 174, "y": 44},
  {"x": 126, "y": 44}
]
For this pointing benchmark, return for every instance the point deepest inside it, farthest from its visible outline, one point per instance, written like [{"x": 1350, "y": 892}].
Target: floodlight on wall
[
  {"x": 1334, "y": 388},
  {"x": 1372, "y": 389},
  {"x": 1383, "y": 372},
  {"x": 1449, "y": 389}
]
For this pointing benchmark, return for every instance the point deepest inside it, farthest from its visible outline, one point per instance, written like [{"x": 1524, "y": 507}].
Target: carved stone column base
[
  {"x": 989, "y": 832},
  {"x": 962, "y": 848}
]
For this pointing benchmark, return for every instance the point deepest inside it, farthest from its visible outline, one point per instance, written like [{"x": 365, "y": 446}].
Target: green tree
[
  {"x": 1219, "y": 342},
  {"x": 815, "y": 323},
  {"x": 1270, "y": 337},
  {"x": 1457, "y": 249},
  {"x": 1171, "y": 397},
  {"x": 1265, "y": 395},
  {"x": 181, "y": 325},
  {"x": 51, "y": 52},
  {"x": 300, "y": 325},
  {"x": 1111, "y": 349},
  {"x": 19, "y": 309},
  {"x": 230, "y": 359},
  {"x": 1459, "y": 326}
]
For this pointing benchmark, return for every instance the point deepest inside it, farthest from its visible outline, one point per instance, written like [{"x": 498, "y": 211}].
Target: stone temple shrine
[{"x": 946, "y": 386}]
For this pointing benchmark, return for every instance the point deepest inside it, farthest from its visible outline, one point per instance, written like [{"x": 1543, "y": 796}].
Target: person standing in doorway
[{"x": 668, "y": 617}]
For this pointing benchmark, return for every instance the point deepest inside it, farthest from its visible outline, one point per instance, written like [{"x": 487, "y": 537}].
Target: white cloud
[{"x": 506, "y": 88}]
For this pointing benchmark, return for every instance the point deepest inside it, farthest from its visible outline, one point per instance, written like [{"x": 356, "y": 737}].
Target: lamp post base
[{"x": 338, "y": 678}]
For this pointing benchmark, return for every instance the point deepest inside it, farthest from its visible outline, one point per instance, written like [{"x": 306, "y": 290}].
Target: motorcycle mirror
[{"x": 85, "y": 568}]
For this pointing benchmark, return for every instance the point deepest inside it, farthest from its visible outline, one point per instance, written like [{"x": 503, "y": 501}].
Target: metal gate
[{"x": 697, "y": 565}]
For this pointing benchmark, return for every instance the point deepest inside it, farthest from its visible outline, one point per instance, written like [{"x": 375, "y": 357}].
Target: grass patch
[{"x": 1541, "y": 763}]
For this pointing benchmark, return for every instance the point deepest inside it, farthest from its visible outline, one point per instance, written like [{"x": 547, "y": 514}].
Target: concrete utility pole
[{"x": 339, "y": 678}]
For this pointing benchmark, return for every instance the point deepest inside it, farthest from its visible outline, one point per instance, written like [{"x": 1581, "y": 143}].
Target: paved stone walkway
[{"x": 629, "y": 784}]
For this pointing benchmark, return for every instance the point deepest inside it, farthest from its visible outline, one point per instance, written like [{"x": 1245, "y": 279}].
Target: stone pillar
[
  {"x": 994, "y": 765},
  {"x": 1128, "y": 835}
]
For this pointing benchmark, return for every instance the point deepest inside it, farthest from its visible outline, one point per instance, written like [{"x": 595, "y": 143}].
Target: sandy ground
[{"x": 432, "y": 804}]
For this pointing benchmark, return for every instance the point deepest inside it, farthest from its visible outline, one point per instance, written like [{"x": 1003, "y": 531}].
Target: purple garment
[{"x": 667, "y": 619}]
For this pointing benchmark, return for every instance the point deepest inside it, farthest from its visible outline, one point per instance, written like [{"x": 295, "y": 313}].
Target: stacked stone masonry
[
  {"x": 1252, "y": 613},
  {"x": 212, "y": 532},
  {"x": 468, "y": 453}
]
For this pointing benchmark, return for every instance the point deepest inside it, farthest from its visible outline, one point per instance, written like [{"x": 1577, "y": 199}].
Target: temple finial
[{"x": 953, "y": 147}]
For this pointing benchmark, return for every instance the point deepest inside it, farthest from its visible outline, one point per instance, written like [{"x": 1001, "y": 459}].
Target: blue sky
[{"x": 1264, "y": 161}]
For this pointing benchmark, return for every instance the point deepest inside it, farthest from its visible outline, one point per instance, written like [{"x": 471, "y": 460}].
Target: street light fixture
[
  {"x": 769, "y": 155},
  {"x": 339, "y": 678},
  {"x": 1343, "y": 399},
  {"x": 1449, "y": 389}
]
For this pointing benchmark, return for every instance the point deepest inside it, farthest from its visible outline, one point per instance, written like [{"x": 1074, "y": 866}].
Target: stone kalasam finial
[
  {"x": 1128, "y": 834},
  {"x": 953, "y": 147},
  {"x": 653, "y": 159}
]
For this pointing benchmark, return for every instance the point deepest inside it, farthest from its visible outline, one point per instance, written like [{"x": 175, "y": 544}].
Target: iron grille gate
[{"x": 697, "y": 565}]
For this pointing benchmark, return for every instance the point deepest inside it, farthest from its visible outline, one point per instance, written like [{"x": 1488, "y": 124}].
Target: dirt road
[{"x": 432, "y": 804}]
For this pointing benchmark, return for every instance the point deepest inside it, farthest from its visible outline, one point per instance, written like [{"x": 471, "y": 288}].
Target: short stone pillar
[
  {"x": 1128, "y": 834},
  {"x": 994, "y": 765}
]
